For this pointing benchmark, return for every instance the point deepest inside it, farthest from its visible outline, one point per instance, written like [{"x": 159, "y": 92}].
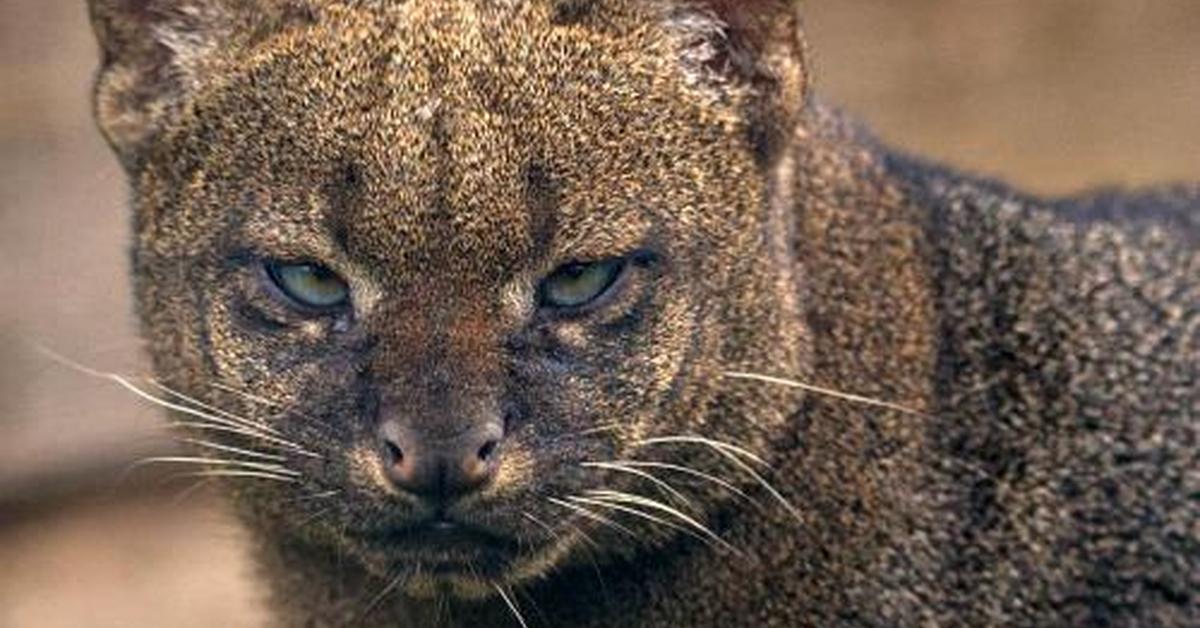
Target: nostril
[
  {"x": 488, "y": 450},
  {"x": 395, "y": 455}
]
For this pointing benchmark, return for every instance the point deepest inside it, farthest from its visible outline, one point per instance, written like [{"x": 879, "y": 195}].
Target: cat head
[{"x": 465, "y": 276}]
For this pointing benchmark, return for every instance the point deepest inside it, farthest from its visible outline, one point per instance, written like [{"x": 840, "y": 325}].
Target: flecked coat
[{"x": 928, "y": 399}]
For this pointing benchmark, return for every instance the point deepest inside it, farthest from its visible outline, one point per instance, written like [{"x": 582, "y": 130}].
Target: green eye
[
  {"x": 310, "y": 285},
  {"x": 578, "y": 284}
]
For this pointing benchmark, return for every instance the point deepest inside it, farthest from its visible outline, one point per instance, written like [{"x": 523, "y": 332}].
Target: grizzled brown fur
[{"x": 446, "y": 156}]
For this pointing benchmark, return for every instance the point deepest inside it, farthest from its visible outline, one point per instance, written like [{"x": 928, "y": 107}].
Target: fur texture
[{"x": 1037, "y": 465}]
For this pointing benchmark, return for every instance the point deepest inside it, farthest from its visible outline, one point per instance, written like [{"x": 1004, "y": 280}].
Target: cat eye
[
  {"x": 309, "y": 285},
  {"x": 578, "y": 284}
]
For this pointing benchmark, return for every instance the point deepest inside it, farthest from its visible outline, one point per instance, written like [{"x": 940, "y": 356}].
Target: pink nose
[{"x": 440, "y": 470}]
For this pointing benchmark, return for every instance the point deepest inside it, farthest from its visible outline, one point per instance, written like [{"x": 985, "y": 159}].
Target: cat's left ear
[
  {"x": 156, "y": 53},
  {"x": 751, "y": 48}
]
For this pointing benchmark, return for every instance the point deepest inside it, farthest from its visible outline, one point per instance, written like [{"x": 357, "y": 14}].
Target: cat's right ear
[{"x": 156, "y": 53}]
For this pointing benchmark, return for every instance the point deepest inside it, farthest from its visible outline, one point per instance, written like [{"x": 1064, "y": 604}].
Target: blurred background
[{"x": 1053, "y": 95}]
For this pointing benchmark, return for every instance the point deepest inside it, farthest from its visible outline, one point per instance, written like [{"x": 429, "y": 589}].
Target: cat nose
[{"x": 440, "y": 470}]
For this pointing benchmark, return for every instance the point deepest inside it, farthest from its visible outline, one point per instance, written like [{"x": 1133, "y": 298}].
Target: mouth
[{"x": 446, "y": 548}]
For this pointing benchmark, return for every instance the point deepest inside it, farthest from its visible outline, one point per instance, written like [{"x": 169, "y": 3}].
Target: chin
[
  {"x": 439, "y": 559},
  {"x": 457, "y": 585}
]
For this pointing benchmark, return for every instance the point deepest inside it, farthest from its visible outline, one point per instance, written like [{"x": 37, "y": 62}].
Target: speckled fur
[{"x": 444, "y": 156}]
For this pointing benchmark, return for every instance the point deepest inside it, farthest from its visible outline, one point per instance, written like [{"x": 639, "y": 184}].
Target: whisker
[
  {"x": 516, "y": 593},
  {"x": 237, "y": 427},
  {"x": 232, "y": 450},
  {"x": 512, "y": 606},
  {"x": 599, "y": 429},
  {"x": 542, "y": 524},
  {"x": 128, "y": 385},
  {"x": 379, "y": 597},
  {"x": 191, "y": 490},
  {"x": 829, "y": 392},
  {"x": 311, "y": 497},
  {"x": 125, "y": 383},
  {"x": 593, "y": 516},
  {"x": 593, "y": 548},
  {"x": 222, "y": 462},
  {"x": 688, "y": 471},
  {"x": 586, "y": 537},
  {"x": 795, "y": 512},
  {"x": 441, "y": 610},
  {"x": 211, "y": 422},
  {"x": 614, "y": 466},
  {"x": 243, "y": 429},
  {"x": 321, "y": 495},
  {"x": 312, "y": 518},
  {"x": 639, "y": 500},
  {"x": 225, "y": 429},
  {"x": 249, "y": 423},
  {"x": 729, "y": 451},
  {"x": 629, "y": 510},
  {"x": 69, "y": 363},
  {"x": 716, "y": 444},
  {"x": 226, "y": 473}
]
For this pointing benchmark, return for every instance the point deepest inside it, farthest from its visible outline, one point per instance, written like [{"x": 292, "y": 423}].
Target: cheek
[
  {"x": 285, "y": 361},
  {"x": 516, "y": 471},
  {"x": 676, "y": 340},
  {"x": 625, "y": 372}
]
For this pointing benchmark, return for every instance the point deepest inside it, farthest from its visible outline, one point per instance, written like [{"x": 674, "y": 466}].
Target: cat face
[{"x": 463, "y": 278}]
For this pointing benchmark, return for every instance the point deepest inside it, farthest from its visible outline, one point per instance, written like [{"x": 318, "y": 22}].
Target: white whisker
[
  {"x": 189, "y": 491},
  {"x": 615, "y": 466},
  {"x": 249, "y": 431},
  {"x": 730, "y": 453},
  {"x": 313, "y": 517},
  {"x": 249, "y": 423},
  {"x": 639, "y": 500},
  {"x": 512, "y": 606},
  {"x": 629, "y": 510},
  {"x": 232, "y": 450},
  {"x": 542, "y": 524},
  {"x": 225, "y": 429},
  {"x": 765, "y": 484},
  {"x": 716, "y": 444},
  {"x": 125, "y": 383},
  {"x": 592, "y": 549},
  {"x": 600, "y": 429},
  {"x": 687, "y": 471},
  {"x": 829, "y": 392},
  {"x": 216, "y": 462},
  {"x": 226, "y": 473},
  {"x": 387, "y": 590},
  {"x": 593, "y": 516}
]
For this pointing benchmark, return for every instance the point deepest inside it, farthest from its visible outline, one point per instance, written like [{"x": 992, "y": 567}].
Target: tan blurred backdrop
[{"x": 1055, "y": 95}]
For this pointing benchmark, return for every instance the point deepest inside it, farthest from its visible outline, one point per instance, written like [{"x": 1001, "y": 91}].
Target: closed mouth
[{"x": 443, "y": 547}]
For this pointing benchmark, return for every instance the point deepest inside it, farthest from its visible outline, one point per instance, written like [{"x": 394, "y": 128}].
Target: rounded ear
[
  {"x": 754, "y": 47},
  {"x": 154, "y": 53}
]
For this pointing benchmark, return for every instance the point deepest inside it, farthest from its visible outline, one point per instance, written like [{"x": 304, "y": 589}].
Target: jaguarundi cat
[{"x": 588, "y": 313}]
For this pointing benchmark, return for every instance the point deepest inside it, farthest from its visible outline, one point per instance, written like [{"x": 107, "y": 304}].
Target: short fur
[{"x": 1037, "y": 465}]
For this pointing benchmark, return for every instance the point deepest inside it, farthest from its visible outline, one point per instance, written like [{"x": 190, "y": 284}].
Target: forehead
[{"x": 434, "y": 130}]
